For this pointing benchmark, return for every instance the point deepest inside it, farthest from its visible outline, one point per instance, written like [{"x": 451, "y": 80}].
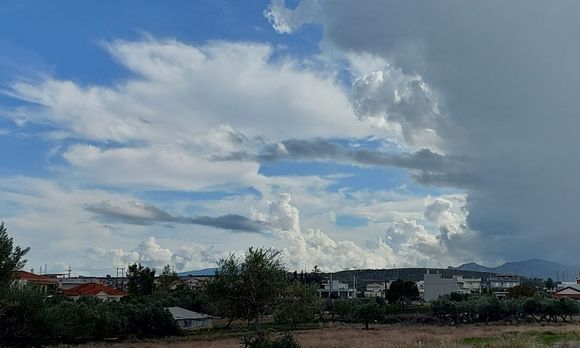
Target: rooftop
[
  {"x": 92, "y": 289},
  {"x": 34, "y": 278},
  {"x": 182, "y": 313}
]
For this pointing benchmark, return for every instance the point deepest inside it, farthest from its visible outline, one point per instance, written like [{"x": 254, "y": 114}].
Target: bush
[
  {"x": 489, "y": 308},
  {"x": 262, "y": 339}
]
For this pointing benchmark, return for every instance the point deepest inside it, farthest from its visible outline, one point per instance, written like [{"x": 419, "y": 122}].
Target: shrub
[{"x": 261, "y": 339}]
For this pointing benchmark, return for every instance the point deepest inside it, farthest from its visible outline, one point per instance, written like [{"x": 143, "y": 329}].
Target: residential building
[
  {"x": 72, "y": 282},
  {"x": 195, "y": 281},
  {"x": 421, "y": 287},
  {"x": 336, "y": 289},
  {"x": 376, "y": 289},
  {"x": 567, "y": 292},
  {"x": 190, "y": 320},
  {"x": 575, "y": 284},
  {"x": 435, "y": 286},
  {"x": 468, "y": 285},
  {"x": 504, "y": 281},
  {"x": 44, "y": 283},
  {"x": 97, "y": 290}
]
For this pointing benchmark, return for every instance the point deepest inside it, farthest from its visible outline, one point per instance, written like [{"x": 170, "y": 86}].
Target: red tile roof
[
  {"x": 34, "y": 278},
  {"x": 92, "y": 289}
]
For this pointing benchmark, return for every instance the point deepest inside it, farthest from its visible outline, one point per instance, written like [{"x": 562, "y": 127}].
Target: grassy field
[{"x": 339, "y": 335}]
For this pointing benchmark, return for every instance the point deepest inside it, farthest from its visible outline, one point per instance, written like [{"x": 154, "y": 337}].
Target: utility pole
[
  {"x": 69, "y": 270},
  {"x": 122, "y": 280},
  {"x": 354, "y": 284},
  {"x": 330, "y": 288}
]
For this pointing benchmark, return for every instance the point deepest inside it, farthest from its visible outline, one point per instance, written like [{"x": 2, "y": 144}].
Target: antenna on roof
[{"x": 69, "y": 270}]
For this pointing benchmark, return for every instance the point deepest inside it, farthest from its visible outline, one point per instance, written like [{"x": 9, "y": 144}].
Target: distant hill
[
  {"x": 198, "y": 273},
  {"x": 530, "y": 268}
]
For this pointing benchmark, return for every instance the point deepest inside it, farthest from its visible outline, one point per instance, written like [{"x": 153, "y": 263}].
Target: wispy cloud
[
  {"x": 325, "y": 150},
  {"x": 141, "y": 213}
]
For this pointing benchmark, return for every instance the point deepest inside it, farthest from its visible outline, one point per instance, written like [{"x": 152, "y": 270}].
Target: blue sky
[{"x": 143, "y": 131}]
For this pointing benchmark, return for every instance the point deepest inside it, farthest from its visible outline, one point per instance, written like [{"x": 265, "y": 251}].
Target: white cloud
[
  {"x": 150, "y": 253},
  {"x": 183, "y": 105},
  {"x": 159, "y": 166},
  {"x": 180, "y": 92},
  {"x": 390, "y": 96},
  {"x": 407, "y": 243},
  {"x": 286, "y": 21}
]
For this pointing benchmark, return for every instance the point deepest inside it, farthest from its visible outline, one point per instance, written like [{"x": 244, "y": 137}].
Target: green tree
[
  {"x": 344, "y": 308},
  {"x": 549, "y": 284},
  {"x": 521, "y": 291},
  {"x": 140, "y": 280},
  {"x": 299, "y": 303},
  {"x": 225, "y": 291},
  {"x": 168, "y": 279},
  {"x": 368, "y": 311},
  {"x": 264, "y": 281},
  {"x": 248, "y": 288},
  {"x": 11, "y": 257},
  {"x": 402, "y": 292}
]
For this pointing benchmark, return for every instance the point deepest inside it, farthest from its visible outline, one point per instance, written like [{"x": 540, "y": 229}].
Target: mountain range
[
  {"x": 534, "y": 268},
  {"x": 198, "y": 273}
]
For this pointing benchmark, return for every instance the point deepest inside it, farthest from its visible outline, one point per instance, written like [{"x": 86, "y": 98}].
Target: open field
[{"x": 340, "y": 335}]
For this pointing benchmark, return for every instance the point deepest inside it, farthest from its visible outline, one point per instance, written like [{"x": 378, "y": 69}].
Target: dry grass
[{"x": 343, "y": 336}]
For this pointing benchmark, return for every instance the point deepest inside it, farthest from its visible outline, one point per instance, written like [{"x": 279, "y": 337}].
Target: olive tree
[{"x": 250, "y": 287}]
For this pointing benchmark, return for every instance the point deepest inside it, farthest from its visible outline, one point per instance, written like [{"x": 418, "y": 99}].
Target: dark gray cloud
[
  {"x": 323, "y": 150},
  {"x": 140, "y": 213},
  {"x": 508, "y": 73}
]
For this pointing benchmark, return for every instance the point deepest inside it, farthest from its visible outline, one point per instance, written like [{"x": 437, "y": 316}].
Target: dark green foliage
[
  {"x": 140, "y": 280},
  {"x": 549, "y": 284},
  {"x": 27, "y": 316},
  {"x": 368, "y": 311},
  {"x": 168, "y": 279},
  {"x": 489, "y": 308},
  {"x": 183, "y": 296},
  {"x": 534, "y": 283},
  {"x": 344, "y": 309},
  {"x": 402, "y": 292},
  {"x": 225, "y": 290},
  {"x": 11, "y": 257},
  {"x": 262, "y": 339},
  {"x": 521, "y": 291},
  {"x": 19, "y": 312}
]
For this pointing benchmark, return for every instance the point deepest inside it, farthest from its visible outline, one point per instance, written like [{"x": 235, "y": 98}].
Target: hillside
[
  {"x": 198, "y": 273},
  {"x": 534, "y": 268}
]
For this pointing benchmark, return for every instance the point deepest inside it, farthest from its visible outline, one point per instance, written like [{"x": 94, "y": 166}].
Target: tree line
[{"x": 250, "y": 287}]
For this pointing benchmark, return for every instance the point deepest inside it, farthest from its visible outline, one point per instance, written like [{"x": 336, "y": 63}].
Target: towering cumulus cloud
[{"x": 506, "y": 75}]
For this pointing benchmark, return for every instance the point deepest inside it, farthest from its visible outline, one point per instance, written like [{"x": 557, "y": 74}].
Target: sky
[{"x": 365, "y": 134}]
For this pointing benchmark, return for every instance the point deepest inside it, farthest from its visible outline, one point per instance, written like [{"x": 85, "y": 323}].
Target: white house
[
  {"x": 504, "y": 281},
  {"x": 337, "y": 289},
  {"x": 468, "y": 285},
  {"x": 190, "y": 320},
  {"x": 376, "y": 289}
]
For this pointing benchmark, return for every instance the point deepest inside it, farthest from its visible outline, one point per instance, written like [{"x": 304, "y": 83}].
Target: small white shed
[{"x": 190, "y": 320}]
